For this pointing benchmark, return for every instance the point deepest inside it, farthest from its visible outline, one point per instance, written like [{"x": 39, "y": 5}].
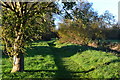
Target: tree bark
[
  {"x": 18, "y": 57},
  {"x": 18, "y": 63}
]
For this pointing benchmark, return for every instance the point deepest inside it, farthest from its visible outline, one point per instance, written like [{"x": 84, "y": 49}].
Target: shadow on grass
[
  {"x": 59, "y": 53},
  {"x": 58, "y": 71},
  {"x": 105, "y": 50},
  {"x": 62, "y": 73},
  {"x": 65, "y": 51}
]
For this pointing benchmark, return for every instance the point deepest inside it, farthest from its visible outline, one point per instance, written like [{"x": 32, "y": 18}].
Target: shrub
[{"x": 79, "y": 33}]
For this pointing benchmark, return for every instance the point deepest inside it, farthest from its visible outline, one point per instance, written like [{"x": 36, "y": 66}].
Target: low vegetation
[
  {"x": 82, "y": 49},
  {"x": 64, "y": 61}
]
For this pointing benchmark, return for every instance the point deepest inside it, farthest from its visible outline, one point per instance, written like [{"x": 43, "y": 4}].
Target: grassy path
[
  {"x": 67, "y": 68},
  {"x": 64, "y": 61}
]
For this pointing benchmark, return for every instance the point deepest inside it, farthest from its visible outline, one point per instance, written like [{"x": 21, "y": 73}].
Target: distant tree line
[{"x": 83, "y": 25}]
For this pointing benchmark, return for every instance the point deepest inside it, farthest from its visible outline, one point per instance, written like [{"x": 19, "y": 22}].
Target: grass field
[{"x": 64, "y": 61}]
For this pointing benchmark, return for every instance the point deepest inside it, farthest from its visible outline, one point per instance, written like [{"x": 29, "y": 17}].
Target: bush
[
  {"x": 112, "y": 34},
  {"x": 79, "y": 33}
]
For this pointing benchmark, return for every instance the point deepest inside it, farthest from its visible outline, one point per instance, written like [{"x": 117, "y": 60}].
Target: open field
[
  {"x": 60, "y": 40},
  {"x": 64, "y": 61}
]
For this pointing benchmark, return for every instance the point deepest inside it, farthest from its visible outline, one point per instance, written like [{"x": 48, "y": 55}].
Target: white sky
[{"x": 102, "y": 5}]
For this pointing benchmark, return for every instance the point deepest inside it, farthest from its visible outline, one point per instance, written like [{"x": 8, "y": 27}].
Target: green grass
[
  {"x": 64, "y": 61},
  {"x": 98, "y": 64},
  {"x": 0, "y": 60}
]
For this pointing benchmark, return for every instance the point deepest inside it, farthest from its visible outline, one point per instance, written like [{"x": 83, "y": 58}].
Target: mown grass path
[
  {"x": 64, "y": 61},
  {"x": 67, "y": 68}
]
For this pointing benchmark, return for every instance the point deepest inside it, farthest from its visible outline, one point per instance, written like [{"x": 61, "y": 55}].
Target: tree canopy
[{"x": 23, "y": 22}]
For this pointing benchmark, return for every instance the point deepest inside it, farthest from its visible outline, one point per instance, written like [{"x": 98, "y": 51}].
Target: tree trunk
[
  {"x": 18, "y": 63},
  {"x": 18, "y": 57}
]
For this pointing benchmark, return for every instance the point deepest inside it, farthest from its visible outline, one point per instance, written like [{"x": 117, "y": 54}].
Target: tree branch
[
  {"x": 32, "y": 7},
  {"x": 6, "y": 5}
]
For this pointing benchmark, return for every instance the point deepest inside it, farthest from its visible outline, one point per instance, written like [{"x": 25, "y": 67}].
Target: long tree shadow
[
  {"x": 58, "y": 54},
  {"x": 69, "y": 51},
  {"x": 104, "y": 50}
]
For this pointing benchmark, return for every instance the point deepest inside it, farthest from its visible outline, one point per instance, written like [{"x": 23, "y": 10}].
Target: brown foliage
[{"x": 79, "y": 33}]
